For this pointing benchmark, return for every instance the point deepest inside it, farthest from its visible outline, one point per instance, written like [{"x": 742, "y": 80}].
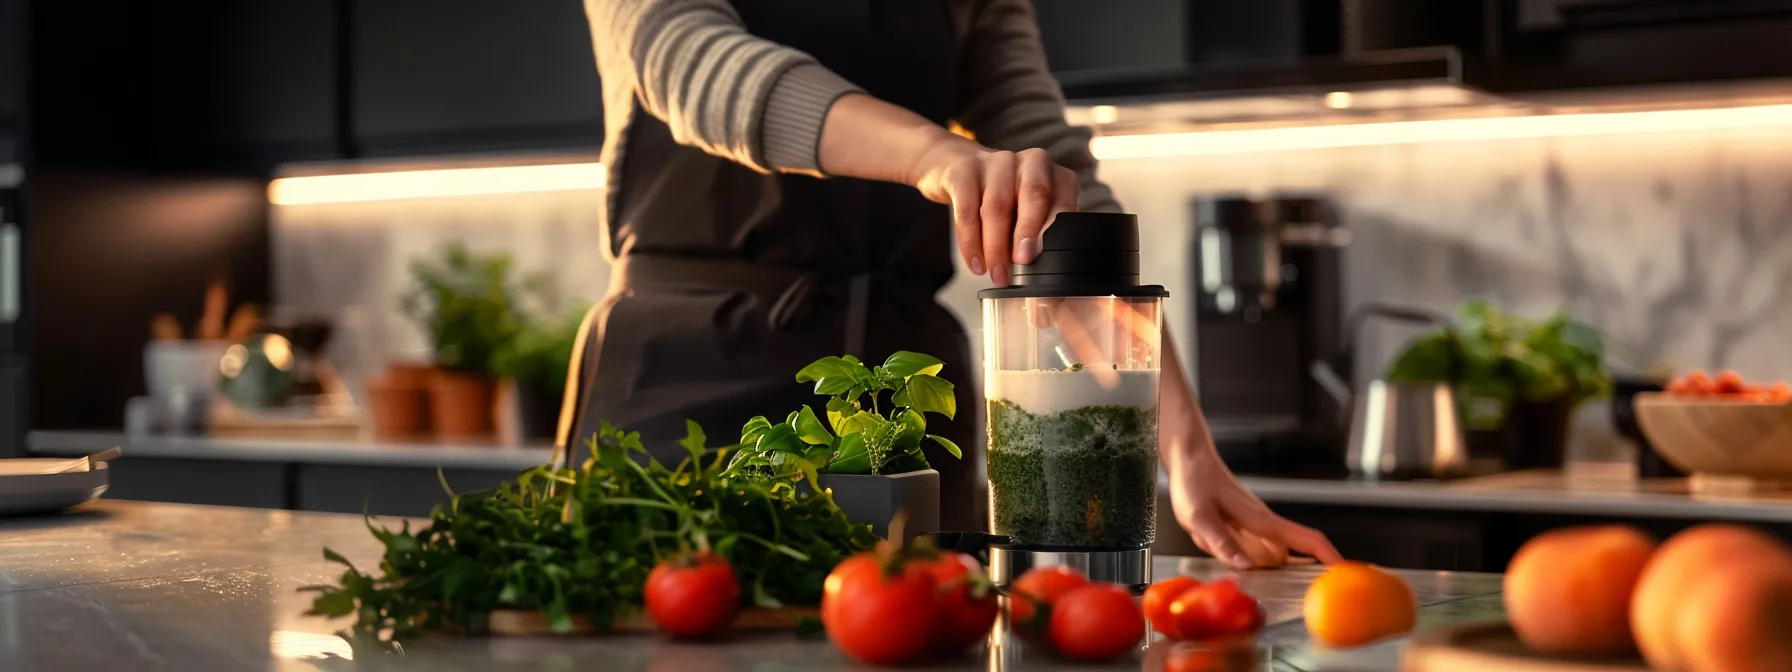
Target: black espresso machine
[{"x": 1268, "y": 276}]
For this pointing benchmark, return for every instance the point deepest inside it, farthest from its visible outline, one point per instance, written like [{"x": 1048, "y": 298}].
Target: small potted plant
[
  {"x": 1518, "y": 381},
  {"x": 867, "y": 451},
  {"x": 532, "y": 369},
  {"x": 465, "y": 303}
]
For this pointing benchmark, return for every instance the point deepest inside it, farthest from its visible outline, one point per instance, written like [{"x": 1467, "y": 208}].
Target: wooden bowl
[{"x": 1720, "y": 437}]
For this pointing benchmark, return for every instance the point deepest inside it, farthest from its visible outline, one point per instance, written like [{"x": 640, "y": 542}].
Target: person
[{"x": 786, "y": 181}]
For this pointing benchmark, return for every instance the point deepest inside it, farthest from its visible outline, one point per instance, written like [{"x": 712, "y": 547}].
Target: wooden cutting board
[
  {"x": 530, "y": 623},
  {"x": 1493, "y": 646}
]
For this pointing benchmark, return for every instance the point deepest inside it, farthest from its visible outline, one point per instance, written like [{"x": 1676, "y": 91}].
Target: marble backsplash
[{"x": 1677, "y": 244}]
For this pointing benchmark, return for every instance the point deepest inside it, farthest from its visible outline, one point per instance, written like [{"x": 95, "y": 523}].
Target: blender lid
[{"x": 1082, "y": 254}]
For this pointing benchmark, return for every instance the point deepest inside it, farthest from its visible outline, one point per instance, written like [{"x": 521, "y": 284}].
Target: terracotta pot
[
  {"x": 460, "y": 404},
  {"x": 397, "y": 408},
  {"x": 410, "y": 374}
]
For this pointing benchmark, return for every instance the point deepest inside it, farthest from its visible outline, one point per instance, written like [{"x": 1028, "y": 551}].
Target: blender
[{"x": 1071, "y": 356}]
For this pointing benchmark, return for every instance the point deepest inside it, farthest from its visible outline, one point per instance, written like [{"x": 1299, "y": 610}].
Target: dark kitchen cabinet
[
  {"x": 433, "y": 76},
  {"x": 14, "y": 412},
  {"x": 1082, "y": 36},
  {"x": 273, "y": 93},
  {"x": 233, "y": 85},
  {"x": 1086, "y": 37},
  {"x": 12, "y": 60}
]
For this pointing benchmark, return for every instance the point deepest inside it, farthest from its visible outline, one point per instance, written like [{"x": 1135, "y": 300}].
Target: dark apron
[{"x": 728, "y": 281}]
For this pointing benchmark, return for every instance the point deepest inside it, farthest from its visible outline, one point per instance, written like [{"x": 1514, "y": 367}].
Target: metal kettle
[{"x": 1397, "y": 430}]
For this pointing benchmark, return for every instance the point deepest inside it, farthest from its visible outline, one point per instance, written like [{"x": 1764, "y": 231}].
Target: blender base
[{"x": 1127, "y": 567}]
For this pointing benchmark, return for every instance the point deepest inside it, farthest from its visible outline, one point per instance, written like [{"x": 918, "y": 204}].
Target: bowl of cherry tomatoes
[{"x": 1721, "y": 426}]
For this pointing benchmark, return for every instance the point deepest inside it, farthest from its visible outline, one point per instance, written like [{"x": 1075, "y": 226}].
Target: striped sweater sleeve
[
  {"x": 694, "y": 66},
  {"x": 1009, "y": 100}
]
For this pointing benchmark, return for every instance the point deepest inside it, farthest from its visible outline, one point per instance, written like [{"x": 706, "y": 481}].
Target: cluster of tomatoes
[
  {"x": 1184, "y": 608},
  {"x": 892, "y": 606},
  {"x": 1731, "y": 385}
]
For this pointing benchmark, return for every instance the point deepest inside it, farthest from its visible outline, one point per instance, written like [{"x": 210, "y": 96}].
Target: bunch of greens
[
  {"x": 864, "y": 438},
  {"x": 580, "y": 542},
  {"x": 541, "y": 352},
  {"x": 1495, "y": 359},
  {"x": 466, "y": 303}
]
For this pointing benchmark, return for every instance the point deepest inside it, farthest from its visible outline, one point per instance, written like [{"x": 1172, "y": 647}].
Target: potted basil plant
[{"x": 867, "y": 451}]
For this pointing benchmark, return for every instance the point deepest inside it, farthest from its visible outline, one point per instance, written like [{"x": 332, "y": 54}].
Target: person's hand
[
  {"x": 1223, "y": 518},
  {"x": 1001, "y": 201}
]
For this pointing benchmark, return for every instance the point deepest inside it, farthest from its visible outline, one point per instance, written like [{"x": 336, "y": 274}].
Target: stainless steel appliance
[
  {"x": 1071, "y": 359},
  {"x": 1399, "y": 430}
]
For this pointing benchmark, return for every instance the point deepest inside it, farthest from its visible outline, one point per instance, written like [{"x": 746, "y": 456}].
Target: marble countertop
[
  {"x": 144, "y": 587},
  {"x": 1587, "y": 490},
  {"x": 425, "y": 452}
]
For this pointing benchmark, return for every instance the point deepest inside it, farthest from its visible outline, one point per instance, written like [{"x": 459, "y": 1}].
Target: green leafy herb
[
  {"x": 1495, "y": 358},
  {"x": 541, "y": 351},
  {"x": 860, "y": 436},
  {"x": 580, "y": 542},
  {"x": 466, "y": 303}
]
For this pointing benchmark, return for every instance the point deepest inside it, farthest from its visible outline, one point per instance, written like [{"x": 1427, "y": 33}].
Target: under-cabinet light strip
[
  {"x": 361, "y": 187},
  {"x": 1202, "y": 143}
]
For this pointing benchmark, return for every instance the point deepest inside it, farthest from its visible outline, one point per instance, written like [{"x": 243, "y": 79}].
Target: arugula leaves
[
  {"x": 1496, "y": 358},
  {"x": 859, "y": 437},
  {"x": 581, "y": 541}
]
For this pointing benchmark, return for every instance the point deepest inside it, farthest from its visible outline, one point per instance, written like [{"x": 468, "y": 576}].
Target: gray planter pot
[{"x": 876, "y": 499}]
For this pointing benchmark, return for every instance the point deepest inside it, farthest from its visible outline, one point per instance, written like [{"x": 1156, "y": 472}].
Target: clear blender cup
[{"x": 1071, "y": 362}]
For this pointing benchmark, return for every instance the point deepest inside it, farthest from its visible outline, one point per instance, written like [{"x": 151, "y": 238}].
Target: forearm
[
  {"x": 1178, "y": 392},
  {"x": 870, "y": 139}
]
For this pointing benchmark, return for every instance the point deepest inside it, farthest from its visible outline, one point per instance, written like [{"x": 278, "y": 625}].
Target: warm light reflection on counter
[
  {"x": 1201, "y": 143},
  {"x": 296, "y": 645},
  {"x": 395, "y": 185}
]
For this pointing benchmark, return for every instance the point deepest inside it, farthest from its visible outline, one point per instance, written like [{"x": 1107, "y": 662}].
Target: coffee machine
[{"x": 1268, "y": 275}]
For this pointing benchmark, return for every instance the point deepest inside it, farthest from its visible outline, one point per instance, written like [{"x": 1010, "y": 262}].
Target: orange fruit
[
  {"x": 1713, "y": 597},
  {"x": 1353, "y": 604},
  {"x": 1568, "y": 590}
]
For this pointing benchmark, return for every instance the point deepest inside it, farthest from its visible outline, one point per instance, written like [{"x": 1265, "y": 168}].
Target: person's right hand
[{"x": 1001, "y": 201}]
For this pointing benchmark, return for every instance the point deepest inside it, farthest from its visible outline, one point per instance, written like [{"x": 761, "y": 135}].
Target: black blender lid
[{"x": 1082, "y": 254}]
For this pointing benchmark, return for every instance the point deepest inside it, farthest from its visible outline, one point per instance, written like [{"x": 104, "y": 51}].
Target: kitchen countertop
[
  {"x": 136, "y": 586},
  {"x": 424, "y": 452},
  {"x": 1587, "y": 490}
]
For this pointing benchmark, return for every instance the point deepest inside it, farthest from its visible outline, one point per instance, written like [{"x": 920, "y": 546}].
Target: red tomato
[
  {"x": 1157, "y": 603},
  {"x": 1729, "y": 382},
  {"x": 880, "y": 610},
  {"x": 1697, "y": 383},
  {"x": 1098, "y": 621},
  {"x": 1216, "y": 610},
  {"x": 1779, "y": 392},
  {"x": 1037, "y": 588},
  {"x": 692, "y": 595},
  {"x": 967, "y": 601}
]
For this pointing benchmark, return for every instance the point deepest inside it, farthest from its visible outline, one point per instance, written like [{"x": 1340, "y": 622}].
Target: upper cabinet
[
  {"x": 12, "y": 59},
  {"x": 434, "y": 76},
  {"x": 1080, "y": 36},
  {"x": 274, "y": 97}
]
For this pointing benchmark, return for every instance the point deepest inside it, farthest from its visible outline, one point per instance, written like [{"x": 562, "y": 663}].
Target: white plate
[{"x": 31, "y": 485}]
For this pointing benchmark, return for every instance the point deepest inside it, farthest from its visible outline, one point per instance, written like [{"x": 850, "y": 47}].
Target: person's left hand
[{"x": 1223, "y": 518}]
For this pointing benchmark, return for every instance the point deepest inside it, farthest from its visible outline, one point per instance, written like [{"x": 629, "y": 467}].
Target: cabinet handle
[{"x": 9, "y": 272}]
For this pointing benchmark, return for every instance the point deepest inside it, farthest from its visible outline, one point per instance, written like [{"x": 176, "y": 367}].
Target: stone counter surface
[
  {"x": 1584, "y": 489},
  {"x": 131, "y": 586}
]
